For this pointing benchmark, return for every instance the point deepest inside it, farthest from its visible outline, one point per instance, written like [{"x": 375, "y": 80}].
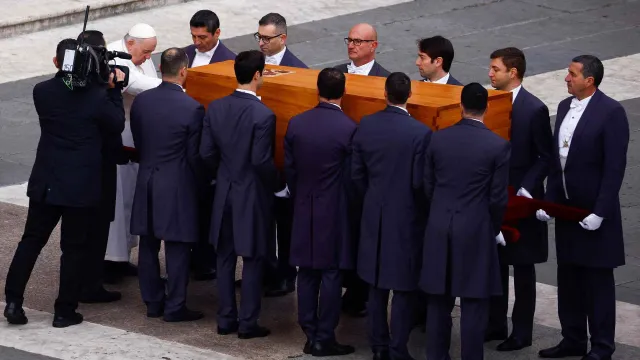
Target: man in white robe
[{"x": 140, "y": 42}]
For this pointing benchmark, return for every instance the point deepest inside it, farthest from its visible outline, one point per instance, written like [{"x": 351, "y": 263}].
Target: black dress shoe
[
  {"x": 229, "y": 330},
  {"x": 381, "y": 355},
  {"x": 331, "y": 349},
  {"x": 512, "y": 344},
  {"x": 62, "y": 321},
  {"x": 561, "y": 351},
  {"x": 155, "y": 311},
  {"x": 15, "y": 314},
  {"x": 308, "y": 347},
  {"x": 496, "y": 335},
  {"x": 101, "y": 295},
  {"x": 280, "y": 288},
  {"x": 183, "y": 314},
  {"x": 256, "y": 332}
]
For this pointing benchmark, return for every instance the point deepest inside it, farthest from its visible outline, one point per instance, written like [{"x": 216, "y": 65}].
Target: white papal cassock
[{"x": 141, "y": 78}]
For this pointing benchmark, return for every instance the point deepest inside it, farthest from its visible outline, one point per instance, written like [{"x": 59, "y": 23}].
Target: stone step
[{"x": 28, "y": 16}]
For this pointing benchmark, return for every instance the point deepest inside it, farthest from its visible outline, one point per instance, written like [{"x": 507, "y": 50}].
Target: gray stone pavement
[{"x": 7, "y": 353}]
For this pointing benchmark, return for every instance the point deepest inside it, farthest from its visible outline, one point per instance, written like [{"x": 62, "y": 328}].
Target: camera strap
[{"x": 68, "y": 80}]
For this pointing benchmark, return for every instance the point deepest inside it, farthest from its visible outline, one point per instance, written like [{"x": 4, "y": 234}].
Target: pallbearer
[
  {"x": 317, "y": 156},
  {"x": 388, "y": 163},
  {"x": 531, "y": 146}
]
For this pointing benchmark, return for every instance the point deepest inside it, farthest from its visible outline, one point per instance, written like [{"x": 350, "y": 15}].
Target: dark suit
[
  {"x": 166, "y": 125},
  {"x": 376, "y": 70},
  {"x": 593, "y": 173},
  {"x": 238, "y": 144},
  {"x": 203, "y": 255},
  {"x": 531, "y": 147},
  {"x": 317, "y": 149},
  {"x": 450, "y": 81},
  {"x": 288, "y": 59},
  {"x": 466, "y": 178},
  {"x": 222, "y": 53},
  {"x": 388, "y": 164},
  {"x": 65, "y": 182}
]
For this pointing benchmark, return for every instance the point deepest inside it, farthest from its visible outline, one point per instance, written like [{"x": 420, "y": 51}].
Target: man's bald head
[{"x": 362, "y": 43}]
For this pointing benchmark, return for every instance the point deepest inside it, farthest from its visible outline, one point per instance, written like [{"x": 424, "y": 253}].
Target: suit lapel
[
  {"x": 191, "y": 54},
  {"x": 374, "y": 69},
  {"x": 217, "y": 55}
]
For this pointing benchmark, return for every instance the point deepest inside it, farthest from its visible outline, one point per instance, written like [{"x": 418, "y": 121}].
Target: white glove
[
  {"x": 284, "y": 193},
  {"x": 500, "y": 239},
  {"x": 542, "y": 215},
  {"x": 524, "y": 192},
  {"x": 591, "y": 222}
]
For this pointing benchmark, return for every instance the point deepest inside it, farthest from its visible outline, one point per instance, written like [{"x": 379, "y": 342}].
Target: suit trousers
[
  {"x": 587, "y": 297},
  {"x": 252, "y": 276},
  {"x": 319, "y": 301},
  {"x": 96, "y": 249},
  {"x": 42, "y": 218},
  {"x": 524, "y": 307},
  {"x": 402, "y": 321},
  {"x": 152, "y": 286},
  {"x": 203, "y": 254},
  {"x": 281, "y": 269},
  {"x": 473, "y": 323}
]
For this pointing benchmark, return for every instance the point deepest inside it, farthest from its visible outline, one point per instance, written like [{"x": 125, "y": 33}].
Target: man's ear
[{"x": 55, "y": 62}]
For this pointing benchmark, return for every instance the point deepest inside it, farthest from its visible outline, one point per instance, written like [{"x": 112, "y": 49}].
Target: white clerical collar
[
  {"x": 515, "y": 93},
  {"x": 442, "y": 80},
  {"x": 400, "y": 107},
  {"x": 275, "y": 59},
  {"x": 209, "y": 53},
  {"x": 249, "y": 92},
  {"x": 360, "y": 70}
]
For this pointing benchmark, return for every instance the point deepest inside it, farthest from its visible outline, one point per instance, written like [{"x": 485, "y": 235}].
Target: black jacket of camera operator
[{"x": 69, "y": 160}]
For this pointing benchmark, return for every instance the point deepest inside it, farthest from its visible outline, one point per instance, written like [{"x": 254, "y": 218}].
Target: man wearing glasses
[
  {"x": 272, "y": 38},
  {"x": 361, "y": 45}
]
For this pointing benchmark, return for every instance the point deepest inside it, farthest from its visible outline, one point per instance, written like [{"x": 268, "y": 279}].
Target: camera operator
[
  {"x": 93, "y": 290},
  {"x": 65, "y": 182}
]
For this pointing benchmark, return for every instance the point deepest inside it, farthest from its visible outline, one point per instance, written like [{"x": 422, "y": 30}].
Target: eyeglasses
[
  {"x": 356, "y": 42},
  {"x": 265, "y": 39}
]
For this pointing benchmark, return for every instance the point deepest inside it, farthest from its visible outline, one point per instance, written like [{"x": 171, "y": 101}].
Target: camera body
[{"x": 87, "y": 64}]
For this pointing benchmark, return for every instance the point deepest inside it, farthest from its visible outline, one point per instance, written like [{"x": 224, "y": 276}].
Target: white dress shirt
[
  {"x": 567, "y": 128},
  {"x": 275, "y": 59},
  {"x": 249, "y": 92},
  {"x": 203, "y": 58},
  {"x": 515, "y": 93},
  {"x": 400, "y": 107},
  {"x": 442, "y": 80},
  {"x": 360, "y": 70}
]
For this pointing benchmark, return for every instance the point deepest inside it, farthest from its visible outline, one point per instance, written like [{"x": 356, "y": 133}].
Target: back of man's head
[
  {"x": 474, "y": 99},
  {"x": 247, "y": 64},
  {"x": 398, "y": 88},
  {"x": 172, "y": 61},
  {"x": 63, "y": 46},
  {"x": 331, "y": 83},
  {"x": 92, "y": 37}
]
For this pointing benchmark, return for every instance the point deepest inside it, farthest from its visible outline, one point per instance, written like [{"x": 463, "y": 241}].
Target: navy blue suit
[
  {"x": 388, "y": 164},
  {"x": 166, "y": 125},
  {"x": 450, "y": 81},
  {"x": 376, "y": 70},
  {"x": 203, "y": 255},
  {"x": 593, "y": 174},
  {"x": 238, "y": 145},
  {"x": 288, "y": 59},
  {"x": 466, "y": 178},
  {"x": 317, "y": 149},
  {"x": 531, "y": 147}
]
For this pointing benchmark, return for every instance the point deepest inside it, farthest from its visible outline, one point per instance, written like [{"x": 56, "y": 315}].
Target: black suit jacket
[
  {"x": 68, "y": 165},
  {"x": 288, "y": 59},
  {"x": 222, "y": 53},
  {"x": 376, "y": 69},
  {"x": 451, "y": 81}
]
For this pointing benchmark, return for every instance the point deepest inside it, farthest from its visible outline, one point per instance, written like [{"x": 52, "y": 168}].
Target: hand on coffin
[
  {"x": 500, "y": 239},
  {"x": 524, "y": 192},
  {"x": 542, "y": 215},
  {"x": 591, "y": 222}
]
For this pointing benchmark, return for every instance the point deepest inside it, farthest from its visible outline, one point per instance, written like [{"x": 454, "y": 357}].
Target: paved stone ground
[{"x": 550, "y": 32}]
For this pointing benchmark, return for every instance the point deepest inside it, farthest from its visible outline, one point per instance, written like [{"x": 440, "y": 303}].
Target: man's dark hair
[
  {"x": 474, "y": 99},
  {"x": 512, "y": 58},
  {"x": 66, "y": 44},
  {"x": 398, "y": 87},
  {"x": 276, "y": 20},
  {"x": 92, "y": 37},
  {"x": 247, "y": 63},
  {"x": 172, "y": 60},
  {"x": 331, "y": 83},
  {"x": 591, "y": 66},
  {"x": 205, "y": 18},
  {"x": 438, "y": 46}
]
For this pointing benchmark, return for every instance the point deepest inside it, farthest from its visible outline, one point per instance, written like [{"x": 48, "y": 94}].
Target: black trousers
[
  {"x": 319, "y": 303},
  {"x": 282, "y": 270},
  {"x": 98, "y": 237},
  {"x": 587, "y": 297},
  {"x": 524, "y": 307},
  {"x": 203, "y": 254},
  {"x": 402, "y": 320},
  {"x": 42, "y": 218}
]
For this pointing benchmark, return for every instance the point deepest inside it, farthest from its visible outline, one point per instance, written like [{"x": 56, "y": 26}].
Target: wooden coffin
[{"x": 289, "y": 91}]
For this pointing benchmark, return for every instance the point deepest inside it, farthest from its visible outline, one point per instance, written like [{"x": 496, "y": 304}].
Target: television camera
[{"x": 89, "y": 63}]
